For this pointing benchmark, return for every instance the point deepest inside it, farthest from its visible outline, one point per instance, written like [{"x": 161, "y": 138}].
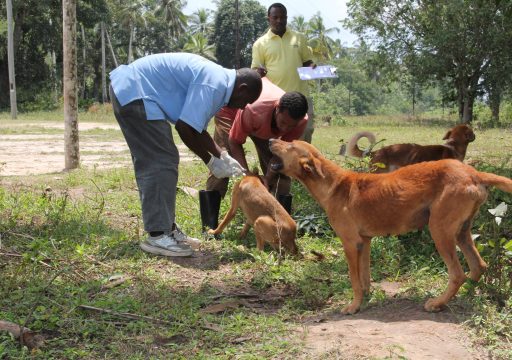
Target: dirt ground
[
  {"x": 400, "y": 329},
  {"x": 18, "y": 152}
]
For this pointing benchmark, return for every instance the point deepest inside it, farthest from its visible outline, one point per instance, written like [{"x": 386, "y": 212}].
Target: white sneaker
[
  {"x": 165, "y": 245},
  {"x": 182, "y": 238}
]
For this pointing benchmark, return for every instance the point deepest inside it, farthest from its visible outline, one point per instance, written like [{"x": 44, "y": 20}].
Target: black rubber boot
[
  {"x": 286, "y": 201},
  {"x": 209, "y": 204}
]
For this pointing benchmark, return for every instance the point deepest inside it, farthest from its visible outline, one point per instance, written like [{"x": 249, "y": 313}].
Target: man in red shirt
[{"x": 275, "y": 114}]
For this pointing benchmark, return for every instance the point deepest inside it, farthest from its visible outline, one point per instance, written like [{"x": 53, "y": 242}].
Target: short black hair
[
  {"x": 295, "y": 103},
  {"x": 277, "y": 5},
  {"x": 251, "y": 77}
]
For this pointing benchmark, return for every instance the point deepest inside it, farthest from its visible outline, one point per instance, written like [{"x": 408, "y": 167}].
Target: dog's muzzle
[{"x": 276, "y": 163}]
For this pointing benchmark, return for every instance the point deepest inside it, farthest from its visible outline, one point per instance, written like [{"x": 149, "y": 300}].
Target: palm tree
[
  {"x": 321, "y": 44},
  {"x": 299, "y": 24},
  {"x": 200, "y": 22},
  {"x": 198, "y": 44},
  {"x": 172, "y": 14},
  {"x": 132, "y": 17}
]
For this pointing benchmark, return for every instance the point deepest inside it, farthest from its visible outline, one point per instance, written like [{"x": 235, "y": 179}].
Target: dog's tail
[
  {"x": 501, "y": 182},
  {"x": 353, "y": 149}
]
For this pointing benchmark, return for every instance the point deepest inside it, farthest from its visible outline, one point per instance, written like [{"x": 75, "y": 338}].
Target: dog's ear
[
  {"x": 447, "y": 136},
  {"x": 313, "y": 167},
  {"x": 470, "y": 136}
]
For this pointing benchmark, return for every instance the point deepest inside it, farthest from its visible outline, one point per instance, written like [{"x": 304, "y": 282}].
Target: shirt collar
[{"x": 271, "y": 34}]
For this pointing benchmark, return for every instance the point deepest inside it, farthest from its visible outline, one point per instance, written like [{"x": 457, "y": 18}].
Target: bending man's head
[
  {"x": 247, "y": 88},
  {"x": 292, "y": 108}
]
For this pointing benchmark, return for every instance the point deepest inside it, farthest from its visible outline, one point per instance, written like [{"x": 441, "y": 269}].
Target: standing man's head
[
  {"x": 292, "y": 108},
  {"x": 277, "y": 18},
  {"x": 247, "y": 88}
]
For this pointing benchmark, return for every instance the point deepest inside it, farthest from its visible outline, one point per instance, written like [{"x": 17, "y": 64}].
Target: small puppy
[
  {"x": 270, "y": 220},
  {"x": 399, "y": 155}
]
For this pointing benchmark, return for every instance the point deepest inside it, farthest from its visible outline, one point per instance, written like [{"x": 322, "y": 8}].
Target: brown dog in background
[
  {"x": 270, "y": 220},
  {"x": 444, "y": 194},
  {"x": 396, "y": 156}
]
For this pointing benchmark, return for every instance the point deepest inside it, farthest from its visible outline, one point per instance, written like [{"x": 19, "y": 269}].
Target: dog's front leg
[
  {"x": 364, "y": 265},
  {"x": 354, "y": 248}
]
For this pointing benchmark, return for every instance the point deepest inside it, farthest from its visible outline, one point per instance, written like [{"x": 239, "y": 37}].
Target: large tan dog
[
  {"x": 270, "y": 220},
  {"x": 399, "y": 155},
  {"x": 444, "y": 194}
]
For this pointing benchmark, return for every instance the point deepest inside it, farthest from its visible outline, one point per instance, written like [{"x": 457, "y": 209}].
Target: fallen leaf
[
  {"x": 241, "y": 339},
  {"x": 219, "y": 308},
  {"x": 189, "y": 191},
  {"x": 115, "y": 280},
  {"x": 29, "y": 338}
]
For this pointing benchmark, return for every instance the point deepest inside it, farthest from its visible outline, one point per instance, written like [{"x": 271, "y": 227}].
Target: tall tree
[
  {"x": 132, "y": 17},
  {"x": 252, "y": 22},
  {"x": 450, "y": 40},
  {"x": 300, "y": 24},
  {"x": 200, "y": 22},
  {"x": 198, "y": 44},
  {"x": 171, "y": 11},
  {"x": 72, "y": 154},
  {"x": 319, "y": 40}
]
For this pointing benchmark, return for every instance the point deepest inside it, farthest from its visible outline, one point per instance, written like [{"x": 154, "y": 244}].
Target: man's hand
[
  {"x": 234, "y": 165},
  {"x": 225, "y": 166},
  {"x": 261, "y": 70}
]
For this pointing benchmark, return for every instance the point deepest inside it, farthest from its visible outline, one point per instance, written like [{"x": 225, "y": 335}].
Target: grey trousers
[{"x": 155, "y": 160}]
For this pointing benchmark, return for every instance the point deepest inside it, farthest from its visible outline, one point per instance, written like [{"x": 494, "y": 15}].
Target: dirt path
[
  {"x": 29, "y": 153},
  {"x": 400, "y": 329}
]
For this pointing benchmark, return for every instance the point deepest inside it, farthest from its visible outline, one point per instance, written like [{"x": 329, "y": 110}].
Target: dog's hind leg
[
  {"x": 444, "y": 234},
  {"x": 476, "y": 265},
  {"x": 235, "y": 199}
]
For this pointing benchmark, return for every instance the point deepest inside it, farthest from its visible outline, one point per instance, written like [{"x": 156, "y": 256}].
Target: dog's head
[
  {"x": 462, "y": 134},
  {"x": 296, "y": 159}
]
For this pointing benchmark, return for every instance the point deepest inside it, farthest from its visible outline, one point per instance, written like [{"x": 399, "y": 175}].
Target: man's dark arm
[
  {"x": 238, "y": 153},
  {"x": 201, "y": 144}
]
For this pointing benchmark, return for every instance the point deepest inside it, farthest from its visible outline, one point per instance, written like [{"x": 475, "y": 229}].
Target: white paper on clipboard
[{"x": 320, "y": 72}]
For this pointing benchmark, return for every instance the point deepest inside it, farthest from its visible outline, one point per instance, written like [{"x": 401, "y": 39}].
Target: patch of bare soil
[
  {"x": 30, "y": 154},
  {"x": 400, "y": 329}
]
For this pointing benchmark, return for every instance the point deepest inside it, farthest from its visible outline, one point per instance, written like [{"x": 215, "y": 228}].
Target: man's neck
[
  {"x": 273, "y": 123},
  {"x": 278, "y": 34}
]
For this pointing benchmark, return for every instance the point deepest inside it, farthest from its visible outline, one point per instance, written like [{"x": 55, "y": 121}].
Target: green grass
[{"x": 63, "y": 237}]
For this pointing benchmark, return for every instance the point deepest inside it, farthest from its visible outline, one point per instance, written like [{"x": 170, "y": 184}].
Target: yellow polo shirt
[{"x": 281, "y": 56}]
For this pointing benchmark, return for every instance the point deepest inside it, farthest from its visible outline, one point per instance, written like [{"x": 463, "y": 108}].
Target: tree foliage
[
  {"x": 443, "y": 40},
  {"x": 252, "y": 24}
]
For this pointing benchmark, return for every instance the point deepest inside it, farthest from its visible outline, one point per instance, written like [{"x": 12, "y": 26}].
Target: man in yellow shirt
[{"x": 278, "y": 53}]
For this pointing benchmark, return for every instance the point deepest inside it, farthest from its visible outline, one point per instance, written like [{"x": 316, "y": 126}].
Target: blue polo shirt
[{"x": 175, "y": 86}]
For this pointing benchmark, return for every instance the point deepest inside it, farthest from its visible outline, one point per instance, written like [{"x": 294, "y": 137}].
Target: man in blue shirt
[{"x": 185, "y": 90}]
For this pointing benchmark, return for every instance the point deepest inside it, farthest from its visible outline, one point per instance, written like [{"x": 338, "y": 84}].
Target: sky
[{"x": 330, "y": 10}]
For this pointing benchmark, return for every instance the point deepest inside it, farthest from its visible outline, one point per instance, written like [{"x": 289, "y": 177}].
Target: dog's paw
[
  {"x": 212, "y": 232},
  {"x": 350, "y": 309},
  {"x": 433, "y": 305}
]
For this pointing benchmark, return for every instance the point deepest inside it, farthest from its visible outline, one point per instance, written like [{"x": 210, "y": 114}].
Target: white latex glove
[
  {"x": 219, "y": 168},
  {"x": 235, "y": 167}
]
